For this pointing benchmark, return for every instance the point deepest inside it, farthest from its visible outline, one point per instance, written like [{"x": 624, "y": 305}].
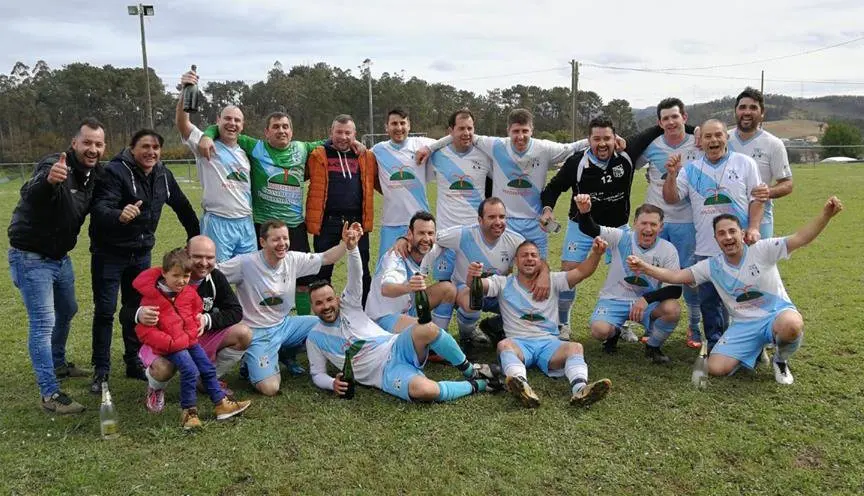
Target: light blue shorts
[
  {"x": 616, "y": 312},
  {"x": 388, "y": 236},
  {"x": 530, "y": 230},
  {"x": 402, "y": 366},
  {"x": 683, "y": 237},
  {"x": 232, "y": 236},
  {"x": 444, "y": 265},
  {"x": 744, "y": 339},
  {"x": 262, "y": 356},
  {"x": 537, "y": 352},
  {"x": 577, "y": 244},
  {"x": 388, "y": 322}
]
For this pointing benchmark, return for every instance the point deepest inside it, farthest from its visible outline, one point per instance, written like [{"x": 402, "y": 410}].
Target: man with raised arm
[
  {"x": 678, "y": 226},
  {"x": 226, "y": 197},
  {"x": 390, "y": 362},
  {"x": 266, "y": 281},
  {"x": 397, "y": 278},
  {"x": 627, "y": 296},
  {"x": 531, "y": 326},
  {"x": 766, "y": 149},
  {"x": 751, "y": 290},
  {"x": 721, "y": 181}
]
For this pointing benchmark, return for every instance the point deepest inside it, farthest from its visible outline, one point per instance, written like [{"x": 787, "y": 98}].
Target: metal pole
[
  {"x": 574, "y": 89},
  {"x": 146, "y": 70},
  {"x": 762, "y": 84},
  {"x": 371, "y": 127}
]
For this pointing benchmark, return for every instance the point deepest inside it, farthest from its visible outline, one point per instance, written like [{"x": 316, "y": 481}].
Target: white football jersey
[
  {"x": 461, "y": 179},
  {"x": 770, "y": 155},
  {"x": 656, "y": 155},
  {"x": 525, "y": 317},
  {"x": 714, "y": 189},
  {"x": 468, "y": 244},
  {"x": 403, "y": 182},
  {"x": 224, "y": 178},
  {"x": 621, "y": 283},
  {"x": 392, "y": 269},
  {"x": 752, "y": 289}
]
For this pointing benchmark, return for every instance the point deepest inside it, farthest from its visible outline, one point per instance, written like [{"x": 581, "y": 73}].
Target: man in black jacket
[
  {"x": 127, "y": 205},
  {"x": 223, "y": 337},
  {"x": 44, "y": 229}
]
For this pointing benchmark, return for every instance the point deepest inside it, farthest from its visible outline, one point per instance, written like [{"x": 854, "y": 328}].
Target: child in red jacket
[{"x": 175, "y": 335}]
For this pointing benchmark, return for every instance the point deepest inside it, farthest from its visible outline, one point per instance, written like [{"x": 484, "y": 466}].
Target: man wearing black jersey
[{"x": 605, "y": 175}]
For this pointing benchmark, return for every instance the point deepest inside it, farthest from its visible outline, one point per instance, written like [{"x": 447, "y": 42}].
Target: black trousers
[{"x": 331, "y": 235}]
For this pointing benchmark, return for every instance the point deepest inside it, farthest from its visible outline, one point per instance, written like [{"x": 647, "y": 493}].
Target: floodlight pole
[
  {"x": 142, "y": 10},
  {"x": 367, "y": 64}
]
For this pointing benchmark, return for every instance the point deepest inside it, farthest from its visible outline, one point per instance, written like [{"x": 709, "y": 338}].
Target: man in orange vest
[{"x": 341, "y": 189}]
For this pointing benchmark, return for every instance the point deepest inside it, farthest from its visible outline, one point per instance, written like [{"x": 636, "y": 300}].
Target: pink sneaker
[{"x": 155, "y": 400}]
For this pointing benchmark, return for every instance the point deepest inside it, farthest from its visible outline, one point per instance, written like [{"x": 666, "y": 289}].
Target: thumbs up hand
[
  {"x": 130, "y": 212},
  {"x": 58, "y": 171}
]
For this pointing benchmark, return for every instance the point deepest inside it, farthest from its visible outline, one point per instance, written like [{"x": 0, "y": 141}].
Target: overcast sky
[{"x": 471, "y": 44}]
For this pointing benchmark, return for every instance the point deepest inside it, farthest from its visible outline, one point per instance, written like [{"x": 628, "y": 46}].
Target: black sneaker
[
  {"x": 135, "y": 371},
  {"x": 491, "y": 373},
  {"x": 96, "y": 385},
  {"x": 70, "y": 370},
  {"x": 61, "y": 404},
  {"x": 610, "y": 345},
  {"x": 656, "y": 355}
]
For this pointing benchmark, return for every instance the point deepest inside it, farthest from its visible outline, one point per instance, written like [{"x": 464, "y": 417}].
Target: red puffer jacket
[{"x": 177, "y": 328}]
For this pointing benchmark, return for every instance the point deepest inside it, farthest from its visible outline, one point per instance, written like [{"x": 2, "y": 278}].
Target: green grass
[{"x": 654, "y": 434}]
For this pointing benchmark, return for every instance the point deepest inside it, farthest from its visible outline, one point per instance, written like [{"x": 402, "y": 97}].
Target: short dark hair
[
  {"x": 318, "y": 284},
  {"x": 397, "y": 111},
  {"x": 420, "y": 215},
  {"x": 342, "y": 119},
  {"x": 178, "y": 257},
  {"x": 668, "y": 103},
  {"x": 145, "y": 132},
  {"x": 647, "y": 208},
  {"x": 492, "y": 200},
  {"x": 601, "y": 121},
  {"x": 451, "y": 122},
  {"x": 754, "y": 94},
  {"x": 725, "y": 217},
  {"x": 527, "y": 242},
  {"x": 92, "y": 123},
  {"x": 276, "y": 115},
  {"x": 520, "y": 116},
  {"x": 268, "y": 225}
]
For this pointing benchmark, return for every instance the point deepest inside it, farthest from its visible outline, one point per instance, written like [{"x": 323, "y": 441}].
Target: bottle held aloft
[{"x": 190, "y": 96}]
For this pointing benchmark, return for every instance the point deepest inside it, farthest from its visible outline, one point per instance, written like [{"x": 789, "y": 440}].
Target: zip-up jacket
[
  {"x": 48, "y": 216},
  {"x": 122, "y": 183},
  {"x": 177, "y": 328}
]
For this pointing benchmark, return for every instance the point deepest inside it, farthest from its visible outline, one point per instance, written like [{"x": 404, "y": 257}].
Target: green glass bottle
[
  {"x": 348, "y": 368},
  {"x": 422, "y": 306}
]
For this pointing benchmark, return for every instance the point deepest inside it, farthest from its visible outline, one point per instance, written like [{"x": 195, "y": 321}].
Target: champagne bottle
[
  {"x": 108, "y": 415},
  {"x": 422, "y": 306},
  {"x": 348, "y": 368},
  {"x": 699, "y": 378},
  {"x": 476, "y": 296},
  {"x": 190, "y": 96}
]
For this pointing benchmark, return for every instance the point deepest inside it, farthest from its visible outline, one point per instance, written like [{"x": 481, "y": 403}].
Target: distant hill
[{"x": 810, "y": 111}]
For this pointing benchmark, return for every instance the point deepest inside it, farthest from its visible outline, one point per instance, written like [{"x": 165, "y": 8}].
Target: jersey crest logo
[
  {"x": 532, "y": 317},
  {"x": 747, "y": 294},
  {"x": 238, "y": 176},
  {"x": 401, "y": 174},
  {"x": 535, "y": 163},
  {"x": 397, "y": 384},
  {"x": 286, "y": 177},
  {"x": 505, "y": 257},
  {"x": 758, "y": 153},
  {"x": 264, "y": 362},
  {"x": 718, "y": 199},
  {"x": 637, "y": 281},
  {"x": 754, "y": 270},
  {"x": 733, "y": 176},
  {"x": 208, "y": 303},
  {"x": 477, "y": 164},
  {"x": 691, "y": 155},
  {"x": 462, "y": 183},
  {"x": 618, "y": 171},
  {"x": 443, "y": 265},
  {"x": 520, "y": 182},
  {"x": 571, "y": 247},
  {"x": 655, "y": 261}
]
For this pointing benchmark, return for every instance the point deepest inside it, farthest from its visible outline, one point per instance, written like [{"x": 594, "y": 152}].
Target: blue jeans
[
  {"x": 110, "y": 273},
  {"x": 715, "y": 318},
  {"x": 48, "y": 289},
  {"x": 191, "y": 362}
]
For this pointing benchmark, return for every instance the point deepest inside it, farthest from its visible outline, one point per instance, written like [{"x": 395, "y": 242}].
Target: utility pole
[
  {"x": 574, "y": 90},
  {"x": 367, "y": 66},
  {"x": 762, "y": 84},
  {"x": 141, "y": 11}
]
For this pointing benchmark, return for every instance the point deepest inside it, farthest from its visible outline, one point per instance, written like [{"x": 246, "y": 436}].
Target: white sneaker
[
  {"x": 627, "y": 335},
  {"x": 564, "y": 332},
  {"x": 782, "y": 374}
]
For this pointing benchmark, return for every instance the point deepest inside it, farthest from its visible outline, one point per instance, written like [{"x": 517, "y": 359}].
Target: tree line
[{"x": 40, "y": 107}]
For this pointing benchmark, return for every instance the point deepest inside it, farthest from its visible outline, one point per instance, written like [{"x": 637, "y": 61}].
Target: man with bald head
[
  {"x": 720, "y": 182},
  {"x": 227, "y": 196},
  {"x": 223, "y": 337}
]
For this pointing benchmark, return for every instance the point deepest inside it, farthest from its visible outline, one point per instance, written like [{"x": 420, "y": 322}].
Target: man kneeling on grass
[
  {"x": 392, "y": 363},
  {"x": 531, "y": 326},
  {"x": 749, "y": 284}
]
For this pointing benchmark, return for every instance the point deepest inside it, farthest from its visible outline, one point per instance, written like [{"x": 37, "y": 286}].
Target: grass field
[{"x": 654, "y": 434}]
